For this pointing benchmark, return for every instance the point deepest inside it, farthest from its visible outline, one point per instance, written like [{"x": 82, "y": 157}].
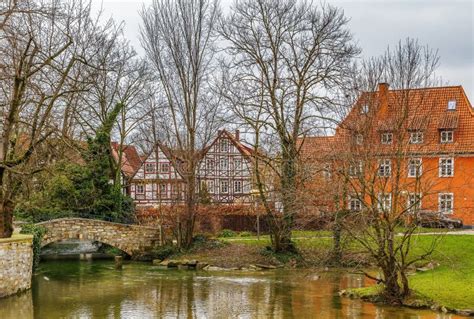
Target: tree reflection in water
[{"x": 96, "y": 290}]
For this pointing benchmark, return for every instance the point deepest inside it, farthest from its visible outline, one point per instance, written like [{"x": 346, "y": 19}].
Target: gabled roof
[
  {"x": 424, "y": 109},
  {"x": 170, "y": 154},
  {"x": 131, "y": 161},
  {"x": 243, "y": 149}
]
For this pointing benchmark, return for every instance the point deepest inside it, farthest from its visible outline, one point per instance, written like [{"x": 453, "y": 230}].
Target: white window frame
[
  {"x": 239, "y": 188},
  {"x": 237, "y": 163},
  {"x": 359, "y": 139},
  {"x": 162, "y": 165},
  {"x": 354, "y": 204},
  {"x": 412, "y": 205},
  {"x": 224, "y": 164},
  {"x": 226, "y": 188},
  {"x": 150, "y": 168},
  {"x": 385, "y": 198},
  {"x": 386, "y": 138},
  {"x": 210, "y": 186},
  {"x": 327, "y": 171},
  {"x": 446, "y": 167},
  {"x": 355, "y": 169},
  {"x": 210, "y": 165},
  {"x": 224, "y": 145},
  {"x": 446, "y": 136},
  {"x": 385, "y": 168},
  {"x": 364, "y": 109},
  {"x": 416, "y": 137},
  {"x": 442, "y": 197},
  {"x": 452, "y": 105},
  {"x": 415, "y": 169},
  {"x": 140, "y": 189}
]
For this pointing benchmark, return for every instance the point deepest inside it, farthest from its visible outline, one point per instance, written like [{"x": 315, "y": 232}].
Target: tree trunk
[
  {"x": 6, "y": 211},
  {"x": 284, "y": 226}
]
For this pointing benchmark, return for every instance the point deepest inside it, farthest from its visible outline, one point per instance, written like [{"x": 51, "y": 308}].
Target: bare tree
[
  {"x": 376, "y": 153},
  {"x": 179, "y": 39},
  {"x": 47, "y": 51},
  {"x": 287, "y": 57}
]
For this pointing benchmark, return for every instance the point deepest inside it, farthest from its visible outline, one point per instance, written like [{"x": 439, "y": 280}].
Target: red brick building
[{"x": 430, "y": 129}]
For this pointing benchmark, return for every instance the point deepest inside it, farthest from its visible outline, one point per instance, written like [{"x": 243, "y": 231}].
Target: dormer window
[
  {"x": 416, "y": 137},
  {"x": 451, "y": 105},
  {"x": 447, "y": 136},
  {"x": 359, "y": 139},
  {"x": 364, "y": 109},
  {"x": 387, "y": 138}
]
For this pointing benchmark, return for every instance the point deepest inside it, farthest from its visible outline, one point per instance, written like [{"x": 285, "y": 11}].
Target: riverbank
[{"x": 449, "y": 285}]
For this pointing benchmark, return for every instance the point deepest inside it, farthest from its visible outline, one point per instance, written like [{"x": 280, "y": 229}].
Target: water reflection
[{"x": 72, "y": 289}]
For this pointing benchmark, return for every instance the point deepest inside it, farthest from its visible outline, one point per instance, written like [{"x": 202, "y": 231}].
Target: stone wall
[
  {"x": 131, "y": 239},
  {"x": 16, "y": 264}
]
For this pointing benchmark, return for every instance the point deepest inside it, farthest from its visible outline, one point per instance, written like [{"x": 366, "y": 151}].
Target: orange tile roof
[{"x": 423, "y": 109}]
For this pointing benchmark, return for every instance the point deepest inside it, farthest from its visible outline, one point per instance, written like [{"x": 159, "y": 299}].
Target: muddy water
[{"x": 81, "y": 289}]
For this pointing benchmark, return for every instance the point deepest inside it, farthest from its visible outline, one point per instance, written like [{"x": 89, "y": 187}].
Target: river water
[{"x": 95, "y": 289}]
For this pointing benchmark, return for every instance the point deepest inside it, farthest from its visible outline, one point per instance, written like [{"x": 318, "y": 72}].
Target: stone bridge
[{"x": 131, "y": 239}]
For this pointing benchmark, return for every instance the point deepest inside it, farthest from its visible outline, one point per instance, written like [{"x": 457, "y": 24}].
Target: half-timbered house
[{"x": 225, "y": 169}]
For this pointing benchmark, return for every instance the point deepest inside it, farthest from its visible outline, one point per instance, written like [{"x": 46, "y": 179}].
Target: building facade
[
  {"x": 424, "y": 137},
  {"x": 225, "y": 170},
  {"x": 224, "y": 174}
]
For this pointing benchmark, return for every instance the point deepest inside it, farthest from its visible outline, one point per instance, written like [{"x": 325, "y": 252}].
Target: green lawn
[{"x": 452, "y": 283}]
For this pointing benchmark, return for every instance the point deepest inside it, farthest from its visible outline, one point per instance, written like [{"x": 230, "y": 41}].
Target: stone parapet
[{"x": 16, "y": 264}]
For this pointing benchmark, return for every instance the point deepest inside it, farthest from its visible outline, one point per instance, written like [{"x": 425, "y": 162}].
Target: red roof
[
  {"x": 131, "y": 160},
  {"x": 424, "y": 109}
]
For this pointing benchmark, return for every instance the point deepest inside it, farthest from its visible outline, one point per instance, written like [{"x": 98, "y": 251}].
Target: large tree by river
[{"x": 287, "y": 58}]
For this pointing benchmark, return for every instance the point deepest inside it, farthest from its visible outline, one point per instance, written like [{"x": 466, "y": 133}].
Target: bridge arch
[{"x": 132, "y": 239}]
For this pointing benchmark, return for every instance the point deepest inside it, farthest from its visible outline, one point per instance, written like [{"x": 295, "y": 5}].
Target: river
[{"x": 95, "y": 289}]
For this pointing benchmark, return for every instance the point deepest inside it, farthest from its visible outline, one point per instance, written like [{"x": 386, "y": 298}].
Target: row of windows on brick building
[
  {"x": 416, "y": 137},
  {"x": 445, "y": 202},
  {"x": 414, "y": 168}
]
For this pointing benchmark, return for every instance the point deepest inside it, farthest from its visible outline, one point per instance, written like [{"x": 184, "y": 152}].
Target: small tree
[{"x": 373, "y": 153}]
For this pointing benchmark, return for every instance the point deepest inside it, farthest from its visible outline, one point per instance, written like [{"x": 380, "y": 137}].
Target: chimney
[
  {"x": 237, "y": 135},
  {"x": 383, "y": 96}
]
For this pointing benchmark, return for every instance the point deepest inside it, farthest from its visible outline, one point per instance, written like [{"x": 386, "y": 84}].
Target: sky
[{"x": 447, "y": 26}]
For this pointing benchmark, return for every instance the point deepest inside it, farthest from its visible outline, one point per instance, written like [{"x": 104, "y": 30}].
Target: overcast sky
[{"x": 444, "y": 25}]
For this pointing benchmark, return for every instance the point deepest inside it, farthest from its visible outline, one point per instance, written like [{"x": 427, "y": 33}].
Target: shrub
[
  {"x": 227, "y": 233},
  {"x": 245, "y": 234},
  {"x": 37, "y": 232}
]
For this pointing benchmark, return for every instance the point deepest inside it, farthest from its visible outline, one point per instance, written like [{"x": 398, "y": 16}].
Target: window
[
  {"x": 359, "y": 139},
  {"x": 446, "y": 203},
  {"x": 163, "y": 191},
  {"x": 385, "y": 168},
  {"x": 237, "y": 164},
  {"x": 165, "y": 167},
  {"x": 140, "y": 188},
  {"x": 446, "y": 167},
  {"x": 355, "y": 169},
  {"x": 149, "y": 167},
  {"x": 415, "y": 167},
  {"x": 355, "y": 204},
  {"x": 224, "y": 186},
  {"x": 451, "y": 105},
  {"x": 210, "y": 186},
  {"x": 224, "y": 164},
  {"x": 364, "y": 109},
  {"x": 385, "y": 201},
  {"x": 447, "y": 136},
  {"x": 327, "y": 171},
  {"x": 224, "y": 145},
  {"x": 387, "y": 138},
  {"x": 416, "y": 137},
  {"x": 210, "y": 165},
  {"x": 414, "y": 203},
  {"x": 238, "y": 186}
]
